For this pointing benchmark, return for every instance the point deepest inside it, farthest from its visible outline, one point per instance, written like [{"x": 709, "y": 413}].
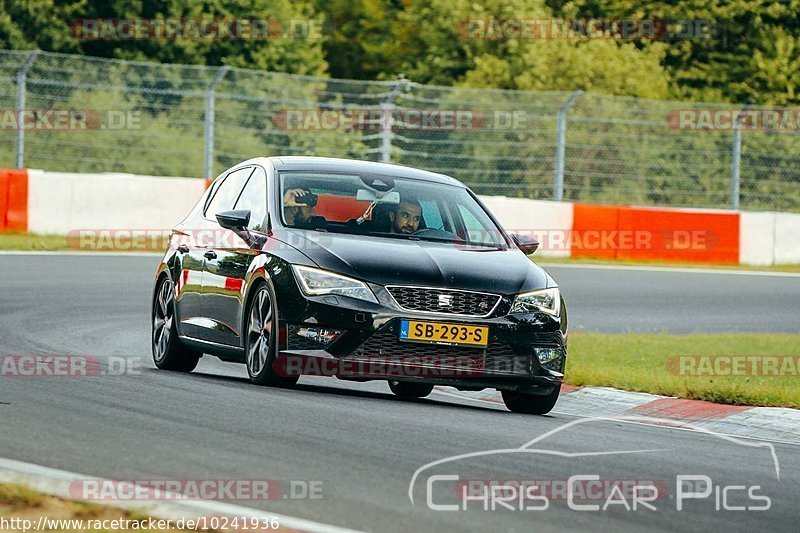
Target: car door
[
  {"x": 188, "y": 283},
  {"x": 209, "y": 240},
  {"x": 191, "y": 247},
  {"x": 225, "y": 269}
]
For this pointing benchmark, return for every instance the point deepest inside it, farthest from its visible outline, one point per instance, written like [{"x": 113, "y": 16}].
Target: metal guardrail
[{"x": 182, "y": 120}]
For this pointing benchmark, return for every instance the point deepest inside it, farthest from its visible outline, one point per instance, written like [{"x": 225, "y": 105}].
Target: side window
[
  {"x": 227, "y": 192},
  {"x": 254, "y": 199},
  {"x": 431, "y": 214},
  {"x": 476, "y": 231}
]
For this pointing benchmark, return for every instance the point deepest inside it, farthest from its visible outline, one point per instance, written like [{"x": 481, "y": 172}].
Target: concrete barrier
[
  {"x": 60, "y": 203},
  {"x": 787, "y": 238},
  {"x": 550, "y": 222},
  {"x": 757, "y": 239}
]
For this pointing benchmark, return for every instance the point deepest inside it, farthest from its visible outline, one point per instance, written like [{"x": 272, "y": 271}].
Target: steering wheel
[{"x": 437, "y": 233}]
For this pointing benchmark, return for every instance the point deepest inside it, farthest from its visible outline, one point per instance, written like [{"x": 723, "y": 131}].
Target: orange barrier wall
[
  {"x": 338, "y": 208},
  {"x": 621, "y": 232},
  {"x": 588, "y": 220},
  {"x": 13, "y": 200}
]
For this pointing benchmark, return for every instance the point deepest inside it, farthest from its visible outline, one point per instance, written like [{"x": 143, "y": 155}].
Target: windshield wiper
[{"x": 460, "y": 242}]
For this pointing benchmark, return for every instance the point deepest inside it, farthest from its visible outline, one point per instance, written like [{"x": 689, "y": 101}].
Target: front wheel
[
  {"x": 261, "y": 341},
  {"x": 530, "y": 404},
  {"x": 168, "y": 352},
  {"x": 409, "y": 389}
]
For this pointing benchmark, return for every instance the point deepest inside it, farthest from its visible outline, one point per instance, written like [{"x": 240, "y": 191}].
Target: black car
[{"x": 359, "y": 270}]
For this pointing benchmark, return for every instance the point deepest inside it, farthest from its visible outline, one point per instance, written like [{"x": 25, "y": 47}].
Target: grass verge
[
  {"x": 33, "y": 242},
  {"x": 20, "y": 503},
  {"x": 649, "y": 363}
]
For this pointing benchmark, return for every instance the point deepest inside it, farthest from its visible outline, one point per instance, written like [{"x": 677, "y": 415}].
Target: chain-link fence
[{"x": 77, "y": 113}]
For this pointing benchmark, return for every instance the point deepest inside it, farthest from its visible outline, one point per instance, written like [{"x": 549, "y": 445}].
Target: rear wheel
[
  {"x": 168, "y": 352},
  {"x": 530, "y": 404},
  {"x": 261, "y": 340},
  {"x": 409, "y": 389}
]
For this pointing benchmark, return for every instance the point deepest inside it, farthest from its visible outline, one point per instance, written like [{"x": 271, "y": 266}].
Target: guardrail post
[
  {"x": 387, "y": 118},
  {"x": 561, "y": 139},
  {"x": 208, "y": 123},
  {"x": 22, "y": 79},
  {"x": 736, "y": 159}
]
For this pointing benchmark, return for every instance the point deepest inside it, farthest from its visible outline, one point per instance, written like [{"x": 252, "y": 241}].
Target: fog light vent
[
  {"x": 546, "y": 355},
  {"x": 321, "y": 336}
]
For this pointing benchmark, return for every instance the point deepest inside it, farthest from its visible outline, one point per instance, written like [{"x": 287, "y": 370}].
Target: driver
[
  {"x": 405, "y": 218},
  {"x": 298, "y": 207}
]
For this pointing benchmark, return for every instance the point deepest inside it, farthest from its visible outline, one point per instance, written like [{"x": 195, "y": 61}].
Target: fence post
[
  {"x": 22, "y": 79},
  {"x": 208, "y": 123},
  {"x": 737, "y": 159},
  {"x": 561, "y": 135},
  {"x": 387, "y": 118}
]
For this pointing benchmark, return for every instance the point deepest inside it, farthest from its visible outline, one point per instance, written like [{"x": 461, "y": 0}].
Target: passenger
[
  {"x": 405, "y": 217},
  {"x": 298, "y": 207}
]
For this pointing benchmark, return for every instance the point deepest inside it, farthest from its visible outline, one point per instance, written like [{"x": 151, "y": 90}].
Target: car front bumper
[{"x": 351, "y": 339}]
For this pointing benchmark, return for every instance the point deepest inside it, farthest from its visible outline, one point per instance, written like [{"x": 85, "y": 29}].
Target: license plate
[{"x": 440, "y": 333}]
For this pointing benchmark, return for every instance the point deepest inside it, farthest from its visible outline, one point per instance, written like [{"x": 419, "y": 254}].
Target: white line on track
[
  {"x": 688, "y": 270},
  {"x": 57, "y": 482},
  {"x": 644, "y": 422}
]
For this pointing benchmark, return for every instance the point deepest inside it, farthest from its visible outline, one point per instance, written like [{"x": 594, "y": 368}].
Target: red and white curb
[
  {"x": 57, "y": 483},
  {"x": 766, "y": 423}
]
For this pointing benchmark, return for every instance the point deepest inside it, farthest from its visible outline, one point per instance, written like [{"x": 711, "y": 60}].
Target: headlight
[
  {"x": 316, "y": 282},
  {"x": 544, "y": 300}
]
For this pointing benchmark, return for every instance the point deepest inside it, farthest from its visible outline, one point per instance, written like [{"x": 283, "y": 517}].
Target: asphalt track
[{"x": 362, "y": 444}]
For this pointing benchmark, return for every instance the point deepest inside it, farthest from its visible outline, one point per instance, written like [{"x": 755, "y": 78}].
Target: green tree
[
  {"x": 751, "y": 53},
  {"x": 46, "y": 24}
]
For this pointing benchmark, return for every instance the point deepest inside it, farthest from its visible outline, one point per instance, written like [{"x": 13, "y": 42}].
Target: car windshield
[{"x": 385, "y": 206}]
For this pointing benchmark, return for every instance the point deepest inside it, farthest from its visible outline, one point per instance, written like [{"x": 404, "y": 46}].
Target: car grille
[
  {"x": 497, "y": 358},
  {"x": 444, "y": 301}
]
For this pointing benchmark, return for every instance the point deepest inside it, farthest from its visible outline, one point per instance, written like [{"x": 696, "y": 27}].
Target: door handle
[
  {"x": 184, "y": 249},
  {"x": 211, "y": 254}
]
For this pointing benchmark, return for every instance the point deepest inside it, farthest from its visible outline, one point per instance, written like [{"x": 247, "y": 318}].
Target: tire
[
  {"x": 409, "y": 389},
  {"x": 261, "y": 339},
  {"x": 530, "y": 404},
  {"x": 168, "y": 352}
]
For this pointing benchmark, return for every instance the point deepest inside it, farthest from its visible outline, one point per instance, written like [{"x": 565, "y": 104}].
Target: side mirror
[
  {"x": 234, "y": 220},
  {"x": 527, "y": 244}
]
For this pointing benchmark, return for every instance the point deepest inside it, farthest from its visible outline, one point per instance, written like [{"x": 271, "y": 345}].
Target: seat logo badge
[{"x": 445, "y": 300}]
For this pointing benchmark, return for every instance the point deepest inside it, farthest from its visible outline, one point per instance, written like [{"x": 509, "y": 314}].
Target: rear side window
[
  {"x": 254, "y": 199},
  {"x": 228, "y": 191}
]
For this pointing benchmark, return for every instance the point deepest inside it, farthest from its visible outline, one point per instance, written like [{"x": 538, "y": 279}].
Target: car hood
[{"x": 388, "y": 261}]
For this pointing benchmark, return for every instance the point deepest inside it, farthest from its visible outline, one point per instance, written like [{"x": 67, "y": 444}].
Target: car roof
[{"x": 333, "y": 164}]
